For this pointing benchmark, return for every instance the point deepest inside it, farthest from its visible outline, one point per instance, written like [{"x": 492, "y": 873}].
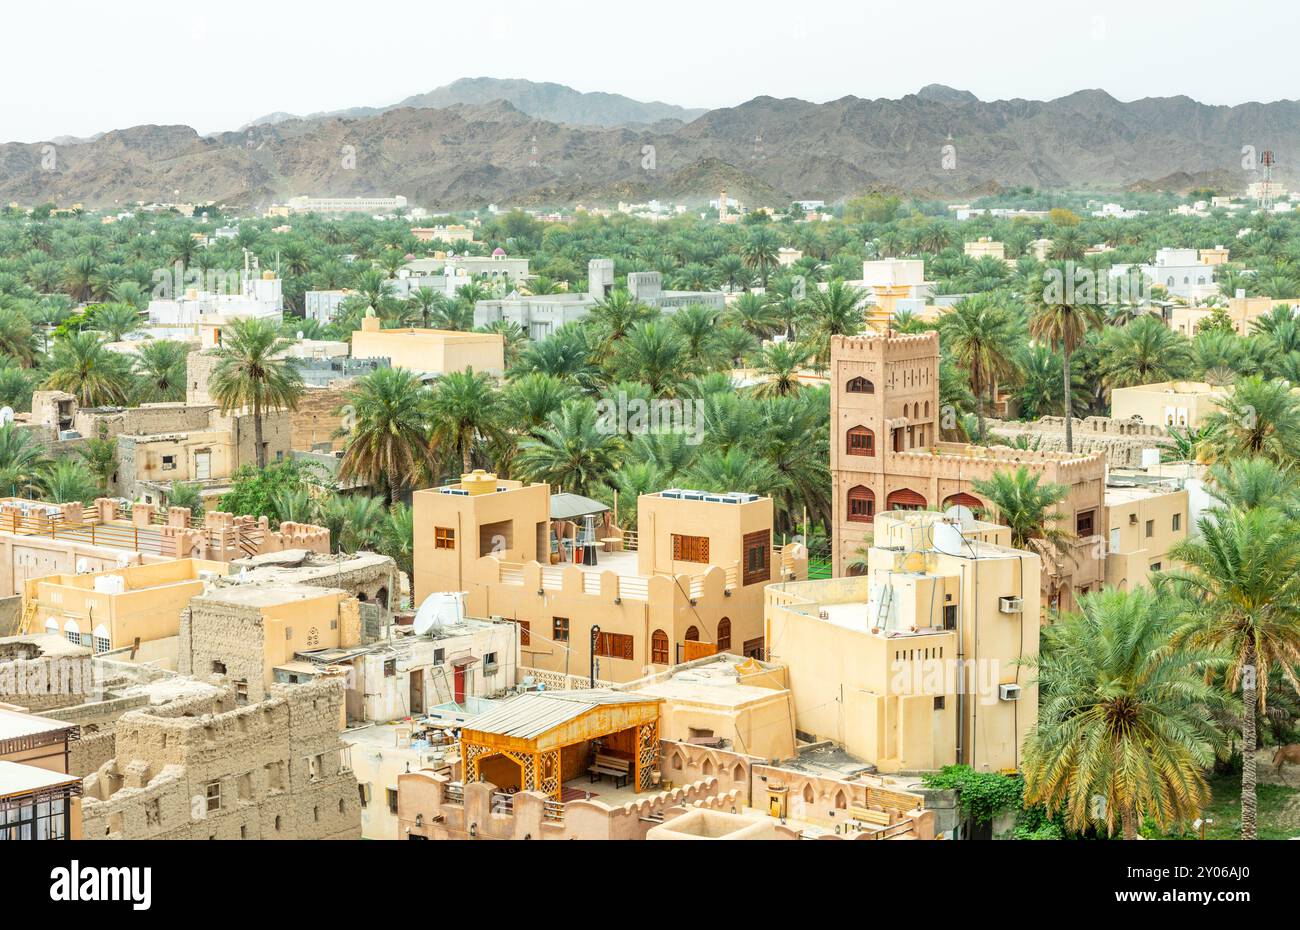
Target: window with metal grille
[
  {"x": 690, "y": 548},
  {"x": 860, "y": 385}
]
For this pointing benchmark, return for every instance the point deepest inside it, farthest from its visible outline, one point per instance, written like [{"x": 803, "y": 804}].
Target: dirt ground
[{"x": 1289, "y": 776}]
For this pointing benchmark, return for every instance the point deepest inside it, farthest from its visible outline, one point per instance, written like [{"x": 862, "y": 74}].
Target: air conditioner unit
[
  {"x": 1008, "y": 692},
  {"x": 1011, "y": 605}
]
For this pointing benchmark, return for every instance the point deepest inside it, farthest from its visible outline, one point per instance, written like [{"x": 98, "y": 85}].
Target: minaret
[{"x": 722, "y": 206}]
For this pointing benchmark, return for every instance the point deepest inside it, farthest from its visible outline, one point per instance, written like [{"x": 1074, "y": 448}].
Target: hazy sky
[{"x": 77, "y": 68}]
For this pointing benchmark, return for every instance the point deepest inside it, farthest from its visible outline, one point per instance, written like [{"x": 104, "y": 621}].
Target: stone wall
[
  {"x": 234, "y": 635},
  {"x": 1122, "y": 441},
  {"x": 204, "y": 768},
  {"x": 316, "y": 420}
]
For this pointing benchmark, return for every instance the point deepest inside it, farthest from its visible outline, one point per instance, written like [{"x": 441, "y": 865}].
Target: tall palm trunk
[
  {"x": 1067, "y": 400},
  {"x": 257, "y": 432},
  {"x": 1128, "y": 817},
  {"x": 1249, "y": 700}
]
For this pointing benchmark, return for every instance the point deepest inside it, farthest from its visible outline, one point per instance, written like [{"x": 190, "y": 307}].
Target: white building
[{"x": 347, "y": 204}]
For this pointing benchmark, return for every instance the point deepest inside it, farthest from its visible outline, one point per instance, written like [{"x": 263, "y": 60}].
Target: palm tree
[
  {"x": 82, "y": 366},
  {"x": 397, "y": 538},
  {"x": 1259, "y": 417},
  {"x": 294, "y": 505},
  {"x": 160, "y": 367},
  {"x": 1249, "y": 483},
  {"x": 21, "y": 460},
  {"x": 1122, "y": 730},
  {"x": 115, "y": 320},
  {"x": 100, "y": 456},
  {"x": 779, "y": 364},
  {"x": 835, "y": 311},
  {"x": 388, "y": 444},
  {"x": 354, "y": 522},
  {"x": 733, "y": 470},
  {"x": 1238, "y": 593},
  {"x": 759, "y": 252},
  {"x": 697, "y": 325},
  {"x": 16, "y": 338},
  {"x": 566, "y": 354},
  {"x": 65, "y": 481},
  {"x": 571, "y": 453},
  {"x": 1144, "y": 352},
  {"x": 655, "y": 354},
  {"x": 16, "y": 386},
  {"x": 1026, "y": 505},
  {"x": 754, "y": 313},
  {"x": 980, "y": 334},
  {"x": 181, "y": 494},
  {"x": 1062, "y": 317},
  {"x": 465, "y": 409},
  {"x": 533, "y": 397},
  {"x": 248, "y": 374},
  {"x": 426, "y": 300},
  {"x": 614, "y": 317}
]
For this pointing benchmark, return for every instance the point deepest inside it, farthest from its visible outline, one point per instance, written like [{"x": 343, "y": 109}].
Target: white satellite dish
[
  {"x": 948, "y": 538},
  {"x": 6, "y": 415},
  {"x": 438, "y": 610},
  {"x": 964, "y": 516}
]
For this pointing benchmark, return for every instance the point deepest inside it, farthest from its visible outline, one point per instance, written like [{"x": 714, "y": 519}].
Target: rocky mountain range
[
  {"x": 547, "y": 146},
  {"x": 554, "y": 103}
]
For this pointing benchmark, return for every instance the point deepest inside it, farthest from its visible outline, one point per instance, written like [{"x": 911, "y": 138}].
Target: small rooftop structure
[{"x": 538, "y": 739}]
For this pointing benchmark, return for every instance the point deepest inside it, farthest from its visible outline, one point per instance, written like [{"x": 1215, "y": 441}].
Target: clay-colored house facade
[
  {"x": 886, "y": 454},
  {"x": 693, "y": 585},
  {"x": 139, "y": 606},
  {"x": 430, "y": 351},
  {"x": 914, "y": 666}
]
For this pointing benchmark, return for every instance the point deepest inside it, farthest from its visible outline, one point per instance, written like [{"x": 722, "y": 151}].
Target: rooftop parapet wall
[
  {"x": 890, "y": 346},
  {"x": 953, "y": 460}
]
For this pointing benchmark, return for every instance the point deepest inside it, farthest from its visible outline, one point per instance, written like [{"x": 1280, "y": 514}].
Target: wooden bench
[
  {"x": 867, "y": 815},
  {"x": 618, "y": 769}
]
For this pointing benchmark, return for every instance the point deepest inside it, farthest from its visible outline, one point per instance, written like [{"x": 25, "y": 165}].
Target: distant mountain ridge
[
  {"x": 939, "y": 142},
  {"x": 555, "y": 103}
]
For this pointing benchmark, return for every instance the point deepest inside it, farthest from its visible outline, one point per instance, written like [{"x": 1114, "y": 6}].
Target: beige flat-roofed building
[
  {"x": 985, "y": 247},
  {"x": 1184, "y": 404},
  {"x": 914, "y": 666},
  {"x": 687, "y": 582},
  {"x": 455, "y": 233},
  {"x": 138, "y": 606},
  {"x": 744, "y": 702},
  {"x": 1144, "y": 521},
  {"x": 246, "y": 632},
  {"x": 1242, "y": 311},
  {"x": 430, "y": 351}
]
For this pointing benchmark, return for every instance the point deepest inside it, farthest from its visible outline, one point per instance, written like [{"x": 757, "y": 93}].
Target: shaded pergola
[{"x": 545, "y": 736}]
